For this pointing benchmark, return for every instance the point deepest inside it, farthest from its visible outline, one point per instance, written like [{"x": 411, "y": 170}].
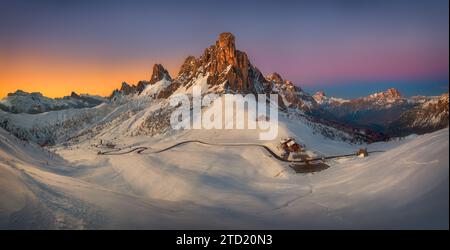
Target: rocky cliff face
[
  {"x": 222, "y": 68},
  {"x": 320, "y": 97},
  {"x": 377, "y": 101},
  {"x": 33, "y": 103},
  {"x": 390, "y": 94},
  {"x": 158, "y": 73},
  {"x": 291, "y": 95},
  {"x": 227, "y": 69},
  {"x": 387, "y": 112}
]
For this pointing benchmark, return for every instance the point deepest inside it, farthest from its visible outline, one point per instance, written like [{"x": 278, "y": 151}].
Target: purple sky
[{"x": 315, "y": 44}]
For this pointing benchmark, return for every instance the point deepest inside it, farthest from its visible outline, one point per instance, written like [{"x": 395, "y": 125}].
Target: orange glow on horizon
[{"x": 56, "y": 77}]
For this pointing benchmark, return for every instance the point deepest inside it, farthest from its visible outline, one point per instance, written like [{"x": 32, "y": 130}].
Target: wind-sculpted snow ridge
[{"x": 203, "y": 187}]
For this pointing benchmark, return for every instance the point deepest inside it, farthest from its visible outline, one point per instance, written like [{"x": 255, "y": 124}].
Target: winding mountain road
[{"x": 140, "y": 150}]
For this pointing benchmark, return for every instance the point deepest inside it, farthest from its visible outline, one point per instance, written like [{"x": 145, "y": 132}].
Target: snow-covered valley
[{"x": 197, "y": 186}]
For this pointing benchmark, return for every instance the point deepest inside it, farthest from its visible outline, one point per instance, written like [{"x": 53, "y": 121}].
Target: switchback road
[{"x": 141, "y": 150}]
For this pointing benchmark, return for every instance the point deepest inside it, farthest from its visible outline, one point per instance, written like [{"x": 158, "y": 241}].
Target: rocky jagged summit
[
  {"x": 393, "y": 93},
  {"x": 73, "y": 94},
  {"x": 319, "y": 96},
  {"x": 291, "y": 95},
  {"x": 229, "y": 70},
  {"x": 35, "y": 102},
  {"x": 127, "y": 89},
  {"x": 226, "y": 68},
  {"x": 390, "y": 93},
  {"x": 158, "y": 73},
  {"x": 427, "y": 117}
]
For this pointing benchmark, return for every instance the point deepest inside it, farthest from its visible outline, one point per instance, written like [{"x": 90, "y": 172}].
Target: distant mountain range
[
  {"x": 33, "y": 103},
  {"x": 429, "y": 116},
  {"x": 387, "y": 112},
  {"x": 87, "y": 162},
  {"x": 224, "y": 69}
]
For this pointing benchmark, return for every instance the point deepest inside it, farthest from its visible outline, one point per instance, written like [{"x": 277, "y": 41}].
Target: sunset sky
[{"x": 347, "y": 48}]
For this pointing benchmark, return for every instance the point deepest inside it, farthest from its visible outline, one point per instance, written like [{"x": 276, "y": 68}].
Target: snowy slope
[{"x": 199, "y": 186}]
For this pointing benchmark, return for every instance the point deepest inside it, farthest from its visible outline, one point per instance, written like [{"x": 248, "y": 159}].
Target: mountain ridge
[
  {"x": 35, "y": 102},
  {"x": 383, "y": 112},
  {"x": 221, "y": 69}
]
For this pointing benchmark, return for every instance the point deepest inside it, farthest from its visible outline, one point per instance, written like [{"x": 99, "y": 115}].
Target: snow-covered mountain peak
[
  {"x": 320, "y": 96},
  {"x": 292, "y": 96},
  {"x": 429, "y": 116},
  {"x": 390, "y": 94}
]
